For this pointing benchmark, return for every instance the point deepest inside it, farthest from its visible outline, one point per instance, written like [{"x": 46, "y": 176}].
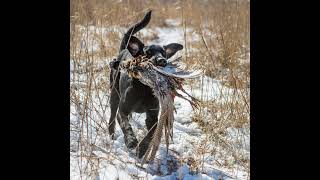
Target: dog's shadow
[{"x": 164, "y": 164}]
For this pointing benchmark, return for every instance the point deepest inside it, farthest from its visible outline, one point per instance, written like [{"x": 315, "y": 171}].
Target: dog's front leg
[
  {"x": 151, "y": 123},
  {"x": 129, "y": 137}
]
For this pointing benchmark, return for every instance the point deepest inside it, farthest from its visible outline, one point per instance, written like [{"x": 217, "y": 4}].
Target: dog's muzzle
[{"x": 160, "y": 61}]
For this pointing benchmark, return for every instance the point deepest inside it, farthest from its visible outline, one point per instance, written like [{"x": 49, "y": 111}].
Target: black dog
[{"x": 129, "y": 94}]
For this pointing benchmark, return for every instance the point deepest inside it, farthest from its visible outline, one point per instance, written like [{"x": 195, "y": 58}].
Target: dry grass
[{"x": 223, "y": 51}]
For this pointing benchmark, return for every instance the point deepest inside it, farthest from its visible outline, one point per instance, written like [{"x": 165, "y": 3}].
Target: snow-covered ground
[{"x": 114, "y": 161}]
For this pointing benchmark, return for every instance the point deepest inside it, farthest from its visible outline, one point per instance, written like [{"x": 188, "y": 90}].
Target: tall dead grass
[{"x": 223, "y": 51}]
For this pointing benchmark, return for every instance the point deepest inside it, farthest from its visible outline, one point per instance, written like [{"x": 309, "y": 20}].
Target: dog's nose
[{"x": 161, "y": 62}]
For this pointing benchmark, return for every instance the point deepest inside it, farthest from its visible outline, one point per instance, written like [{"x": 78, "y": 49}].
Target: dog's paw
[
  {"x": 132, "y": 144},
  {"x": 113, "y": 137},
  {"x": 141, "y": 150}
]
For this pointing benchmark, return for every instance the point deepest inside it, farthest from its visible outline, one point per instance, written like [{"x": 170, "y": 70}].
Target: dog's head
[{"x": 156, "y": 53}]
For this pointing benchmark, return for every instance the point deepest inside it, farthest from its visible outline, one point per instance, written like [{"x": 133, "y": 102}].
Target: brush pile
[{"x": 164, "y": 81}]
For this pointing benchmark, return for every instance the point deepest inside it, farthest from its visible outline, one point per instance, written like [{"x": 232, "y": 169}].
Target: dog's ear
[
  {"x": 135, "y": 46},
  {"x": 171, "y": 49}
]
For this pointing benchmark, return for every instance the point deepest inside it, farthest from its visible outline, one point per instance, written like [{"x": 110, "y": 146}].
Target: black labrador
[{"x": 129, "y": 94}]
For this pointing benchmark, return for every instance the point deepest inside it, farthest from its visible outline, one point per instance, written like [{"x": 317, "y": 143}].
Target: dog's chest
[{"x": 144, "y": 98}]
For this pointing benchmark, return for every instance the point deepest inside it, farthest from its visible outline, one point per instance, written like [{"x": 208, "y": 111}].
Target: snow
[
  {"x": 183, "y": 171},
  {"x": 172, "y": 22},
  {"x": 117, "y": 162}
]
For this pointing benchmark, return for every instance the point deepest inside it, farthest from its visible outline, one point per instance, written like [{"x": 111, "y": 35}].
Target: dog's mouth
[{"x": 158, "y": 61}]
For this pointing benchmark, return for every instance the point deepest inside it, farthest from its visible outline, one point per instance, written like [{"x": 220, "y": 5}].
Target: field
[{"x": 212, "y": 142}]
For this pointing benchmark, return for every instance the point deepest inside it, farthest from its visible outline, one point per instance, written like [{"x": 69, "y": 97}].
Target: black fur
[{"x": 129, "y": 94}]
